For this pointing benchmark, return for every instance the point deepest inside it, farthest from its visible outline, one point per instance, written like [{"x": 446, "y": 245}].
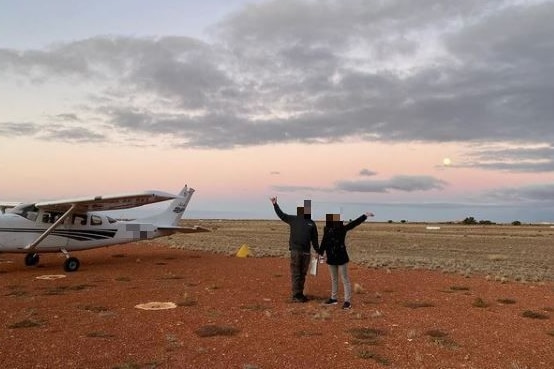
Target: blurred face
[
  {"x": 332, "y": 219},
  {"x": 307, "y": 209}
]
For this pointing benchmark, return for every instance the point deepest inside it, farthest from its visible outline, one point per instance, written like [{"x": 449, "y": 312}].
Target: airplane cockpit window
[
  {"x": 51, "y": 217},
  {"x": 111, "y": 220},
  {"x": 28, "y": 211},
  {"x": 95, "y": 220}
]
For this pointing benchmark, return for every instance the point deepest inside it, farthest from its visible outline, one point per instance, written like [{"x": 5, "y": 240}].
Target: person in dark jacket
[
  {"x": 333, "y": 244},
  {"x": 303, "y": 232}
]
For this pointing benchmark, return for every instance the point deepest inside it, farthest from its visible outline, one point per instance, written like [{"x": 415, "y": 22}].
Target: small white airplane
[{"x": 81, "y": 224}]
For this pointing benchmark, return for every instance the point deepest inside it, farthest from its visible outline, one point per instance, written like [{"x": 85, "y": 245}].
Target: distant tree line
[
  {"x": 472, "y": 220},
  {"x": 469, "y": 220}
]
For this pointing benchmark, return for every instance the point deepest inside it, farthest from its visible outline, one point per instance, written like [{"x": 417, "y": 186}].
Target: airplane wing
[
  {"x": 97, "y": 203},
  {"x": 195, "y": 229},
  {"x": 110, "y": 202}
]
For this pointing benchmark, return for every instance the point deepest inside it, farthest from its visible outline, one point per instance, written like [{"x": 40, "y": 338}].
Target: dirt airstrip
[{"x": 452, "y": 297}]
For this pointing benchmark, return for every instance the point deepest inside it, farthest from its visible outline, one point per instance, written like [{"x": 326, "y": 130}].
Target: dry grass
[
  {"x": 417, "y": 304},
  {"x": 480, "y": 303},
  {"x": 503, "y": 252},
  {"x": 216, "y": 330},
  {"x": 441, "y": 338},
  {"x": 26, "y": 323},
  {"x": 99, "y": 334},
  {"x": 366, "y": 336},
  {"x": 365, "y": 354},
  {"x": 187, "y": 301},
  {"x": 506, "y": 301},
  {"x": 534, "y": 315},
  {"x": 459, "y": 288}
]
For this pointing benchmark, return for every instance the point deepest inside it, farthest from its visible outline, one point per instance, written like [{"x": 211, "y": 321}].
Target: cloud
[
  {"x": 367, "y": 172},
  {"x": 292, "y": 188},
  {"x": 397, "y": 183},
  {"x": 72, "y": 135},
  {"x": 316, "y": 72},
  {"x": 402, "y": 183},
  {"x": 66, "y": 117},
  {"x": 9, "y": 129},
  {"x": 51, "y": 132},
  {"x": 522, "y": 158},
  {"x": 542, "y": 193}
]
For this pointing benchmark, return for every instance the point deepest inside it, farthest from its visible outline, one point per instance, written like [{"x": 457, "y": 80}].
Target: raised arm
[
  {"x": 284, "y": 217},
  {"x": 359, "y": 220}
]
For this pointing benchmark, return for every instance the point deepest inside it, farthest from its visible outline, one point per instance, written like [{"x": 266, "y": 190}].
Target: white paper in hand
[{"x": 313, "y": 265}]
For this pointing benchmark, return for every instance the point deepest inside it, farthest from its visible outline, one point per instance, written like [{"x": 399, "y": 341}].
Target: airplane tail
[{"x": 174, "y": 211}]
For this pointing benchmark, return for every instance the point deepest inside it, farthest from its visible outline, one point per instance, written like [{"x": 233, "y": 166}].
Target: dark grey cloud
[
  {"x": 71, "y": 117},
  {"x": 51, "y": 132},
  {"x": 71, "y": 135},
  {"x": 540, "y": 193},
  {"x": 515, "y": 159},
  {"x": 307, "y": 71},
  {"x": 402, "y": 183},
  {"x": 8, "y": 129},
  {"x": 367, "y": 172}
]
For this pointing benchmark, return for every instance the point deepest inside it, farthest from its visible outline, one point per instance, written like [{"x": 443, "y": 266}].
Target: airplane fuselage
[
  {"x": 78, "y": 232},
  {"x": 82, "y": 223}
]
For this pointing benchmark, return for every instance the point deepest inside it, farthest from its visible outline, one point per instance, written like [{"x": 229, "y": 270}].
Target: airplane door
[{"x": 58, "y": 238}]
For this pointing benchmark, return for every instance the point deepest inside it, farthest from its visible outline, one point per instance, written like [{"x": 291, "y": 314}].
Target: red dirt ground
[{"x": 401, "y": 318}]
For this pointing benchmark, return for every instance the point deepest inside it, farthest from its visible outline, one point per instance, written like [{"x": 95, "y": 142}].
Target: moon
[{"x": 446, "y": 161}]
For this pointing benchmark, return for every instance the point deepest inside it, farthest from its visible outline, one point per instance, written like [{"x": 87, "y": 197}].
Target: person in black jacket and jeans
[
  {"x": 333, "y": 244},
  {"x": 303, "y": 232}
]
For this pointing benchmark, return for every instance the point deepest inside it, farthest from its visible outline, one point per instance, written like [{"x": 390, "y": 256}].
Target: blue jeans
[{"x": 343, "y": 270}]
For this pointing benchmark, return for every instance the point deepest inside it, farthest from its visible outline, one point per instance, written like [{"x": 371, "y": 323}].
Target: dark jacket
[
  {"x": 333, "y": 242},
  {"x": 302, "y": 231}
]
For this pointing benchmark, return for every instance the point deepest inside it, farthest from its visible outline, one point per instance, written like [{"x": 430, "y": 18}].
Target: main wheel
[
  {"x": 31, "y": 259},
  {"x": 71, "y": 264}
]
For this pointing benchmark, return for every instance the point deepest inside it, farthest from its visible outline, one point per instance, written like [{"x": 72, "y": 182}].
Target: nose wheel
[{"x": 32, "y": 259}]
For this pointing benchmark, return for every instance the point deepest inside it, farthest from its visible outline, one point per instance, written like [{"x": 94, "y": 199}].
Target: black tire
[
  {"x": 32, "y": 259},
  {"x": 71, "y": 264}
]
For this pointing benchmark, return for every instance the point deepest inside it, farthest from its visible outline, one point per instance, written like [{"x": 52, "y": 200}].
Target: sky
[{"x": 425, "y": 110}]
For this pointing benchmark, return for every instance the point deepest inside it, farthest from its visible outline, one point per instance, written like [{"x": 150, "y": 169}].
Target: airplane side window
[
  {"x": 46, "y": 218},
  {"x": 79, "y": 219},
  {"x": 95, "y": 220}
]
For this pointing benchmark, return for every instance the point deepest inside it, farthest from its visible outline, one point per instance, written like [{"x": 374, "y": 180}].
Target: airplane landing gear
[
  {"x": 31, "y": 259},
  {"x": 71, "y": 264}
]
